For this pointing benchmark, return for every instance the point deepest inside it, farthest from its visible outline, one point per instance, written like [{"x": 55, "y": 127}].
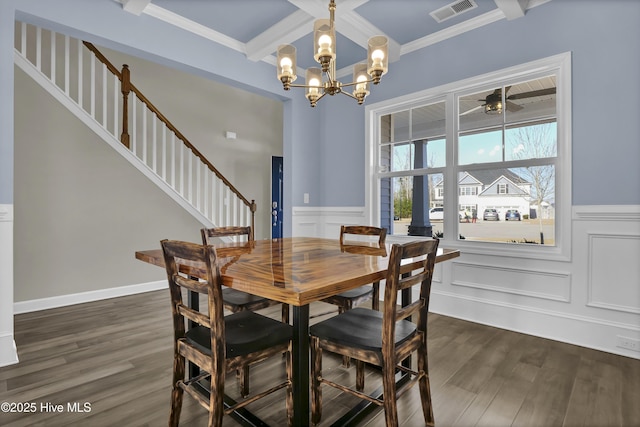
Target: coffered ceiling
[{"x": 257, "y": 27}]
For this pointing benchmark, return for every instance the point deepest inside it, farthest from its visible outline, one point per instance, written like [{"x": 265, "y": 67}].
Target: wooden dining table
[{"x": 298, "y": 271}]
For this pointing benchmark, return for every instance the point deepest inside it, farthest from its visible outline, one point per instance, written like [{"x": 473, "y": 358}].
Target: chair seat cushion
[
  {"x": 239, "y": 298},
  {"x": 357, "y": 292},
  {"x": 360, "y": 328},
  {"x": 245, "y": 332}
]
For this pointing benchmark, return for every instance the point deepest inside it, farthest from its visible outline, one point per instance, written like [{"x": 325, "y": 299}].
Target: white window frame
[{"x": 560, "y": 66}]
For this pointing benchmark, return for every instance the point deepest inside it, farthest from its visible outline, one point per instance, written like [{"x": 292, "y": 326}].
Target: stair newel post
[
  {"x": 126, "y": 88},
  {"x": 253, "y": 207}
]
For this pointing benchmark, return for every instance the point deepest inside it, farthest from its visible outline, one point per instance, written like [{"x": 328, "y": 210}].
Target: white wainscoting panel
[
  {"x": 590, "y": 298},
  {"x": 325, "y": 221},
  {"x": 528, "y": 282},
  {"x": 614, "y": 272}
]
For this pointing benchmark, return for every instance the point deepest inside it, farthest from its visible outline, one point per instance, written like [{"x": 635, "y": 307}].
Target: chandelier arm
[
  {"x": 329, "y": 77},
  {"x": 356, "y": 83},
  {"x": 304, "y": 86},
  {"x": 321, "y": 96},
  {"x": 349, "y": 95}
]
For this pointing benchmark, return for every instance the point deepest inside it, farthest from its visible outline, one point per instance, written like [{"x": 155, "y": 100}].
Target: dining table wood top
[{"x": 296, "y": 270}]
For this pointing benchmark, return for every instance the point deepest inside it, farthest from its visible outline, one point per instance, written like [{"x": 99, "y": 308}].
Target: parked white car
[{"x": 436, "y": 214}]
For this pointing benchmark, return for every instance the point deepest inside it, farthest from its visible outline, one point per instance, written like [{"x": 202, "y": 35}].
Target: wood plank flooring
[{"x": 115, "y": 355}]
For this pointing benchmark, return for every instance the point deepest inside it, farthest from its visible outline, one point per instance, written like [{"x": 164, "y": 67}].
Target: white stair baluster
[
  {"x": 173, "y": 160},
  {"x": 205, "y": 192},
  {"x": 93, "y": 87},
  {"x": 144, "y": 133},
  {"x": 154, "y": 142},
  {"x": 181, "y": 169},
  {"x": 190, "y": 172},
  {"x": 39, "y": 48},
  {"x": 164, "y": 152},
  {"x": 80, "y": 71},
  {"x": 23, "y": 39},
  {"x": 116, "y": 103},
  {"x": 198, "y": 184},
  {"x": 52, "y": 60},
  {"x": 104, "y": 96},
  {"x": 67, "y": 66},
  {"x": 134, "y": 126}
]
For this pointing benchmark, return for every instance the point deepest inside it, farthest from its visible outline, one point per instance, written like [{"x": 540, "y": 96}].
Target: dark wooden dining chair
[
  {"x": 385, "y": 339},
  {"x": 218, "y": 343},
  {"x": 353, "y": 297},
  {"x": 236, "y": 301},
  {"x": 349, "y": 299}
]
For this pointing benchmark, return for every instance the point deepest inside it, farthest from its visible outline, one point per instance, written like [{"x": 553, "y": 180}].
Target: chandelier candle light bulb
[
  {"x": 324, "y": 41},
  {"x": 325, "y": 54},
  {"x": 361, "y": 78},
  {"x": 286, "y": 64},
  {"x": 377, "y": 56},
  {"x": 314, "y": 82}
]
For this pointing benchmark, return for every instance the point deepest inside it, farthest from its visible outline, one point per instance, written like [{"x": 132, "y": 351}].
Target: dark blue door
[{"x": 276, "y": 197}]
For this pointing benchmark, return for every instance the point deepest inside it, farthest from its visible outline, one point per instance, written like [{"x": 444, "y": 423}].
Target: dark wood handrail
[{"x": 128, "y": 86}]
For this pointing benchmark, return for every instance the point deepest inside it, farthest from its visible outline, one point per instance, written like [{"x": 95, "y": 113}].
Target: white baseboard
[
  {"x": 8, "y": 351},
  {"x": 571, "y": 328},
  {"x": 79, "y": 298}
]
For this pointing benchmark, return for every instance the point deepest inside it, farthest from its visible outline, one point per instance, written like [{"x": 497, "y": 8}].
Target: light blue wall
[
  {"x": 604, "y": 38},
  {"x": 324, "y": 147},
  {"x": 343, "y": 155}
]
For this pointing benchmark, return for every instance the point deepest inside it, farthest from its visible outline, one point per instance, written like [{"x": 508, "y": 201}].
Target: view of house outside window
[{"x": 503, "y": 151}]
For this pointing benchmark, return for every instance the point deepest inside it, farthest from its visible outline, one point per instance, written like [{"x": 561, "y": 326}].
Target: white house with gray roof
[{"x": 500, "y": 189}]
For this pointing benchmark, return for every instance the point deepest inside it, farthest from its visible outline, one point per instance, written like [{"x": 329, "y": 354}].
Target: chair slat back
[
  {"x": 425, "y": 251},
  {"x": 209, "y": 233},
  {"x": 177, "y": 252},
  {"x": 363, "y": 230}
]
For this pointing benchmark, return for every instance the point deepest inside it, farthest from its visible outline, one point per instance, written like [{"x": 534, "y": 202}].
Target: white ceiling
[{"x": 257, "y": 27}]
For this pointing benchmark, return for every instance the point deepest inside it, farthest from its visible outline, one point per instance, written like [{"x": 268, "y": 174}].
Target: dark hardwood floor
[{"x": 118, "y": 360}]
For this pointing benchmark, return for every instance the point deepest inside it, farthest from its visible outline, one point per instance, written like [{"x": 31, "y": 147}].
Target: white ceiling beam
[
  {"x": 286, "y": 31},
  {"x": 348, "y": 22},
  {"x": 319, "y": 9},
  {"x": 135, "y": 6},
  {"x": 512, "y": 9},
  {"x": 359, "y": 30},
  {"x": 193, "y": 27}
]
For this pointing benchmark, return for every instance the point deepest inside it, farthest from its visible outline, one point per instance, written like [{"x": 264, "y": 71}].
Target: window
[
  {"x": 411, "y": 151},
  {"x": 498, "y": 143},
  {"x": 468, "y": 191}
]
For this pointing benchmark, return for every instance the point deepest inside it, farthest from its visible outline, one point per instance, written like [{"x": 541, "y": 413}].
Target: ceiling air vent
[{"x": 453, "y": 9}]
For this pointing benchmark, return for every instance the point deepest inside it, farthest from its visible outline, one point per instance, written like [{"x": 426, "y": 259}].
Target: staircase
[{"x": 103, "y": 97}]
